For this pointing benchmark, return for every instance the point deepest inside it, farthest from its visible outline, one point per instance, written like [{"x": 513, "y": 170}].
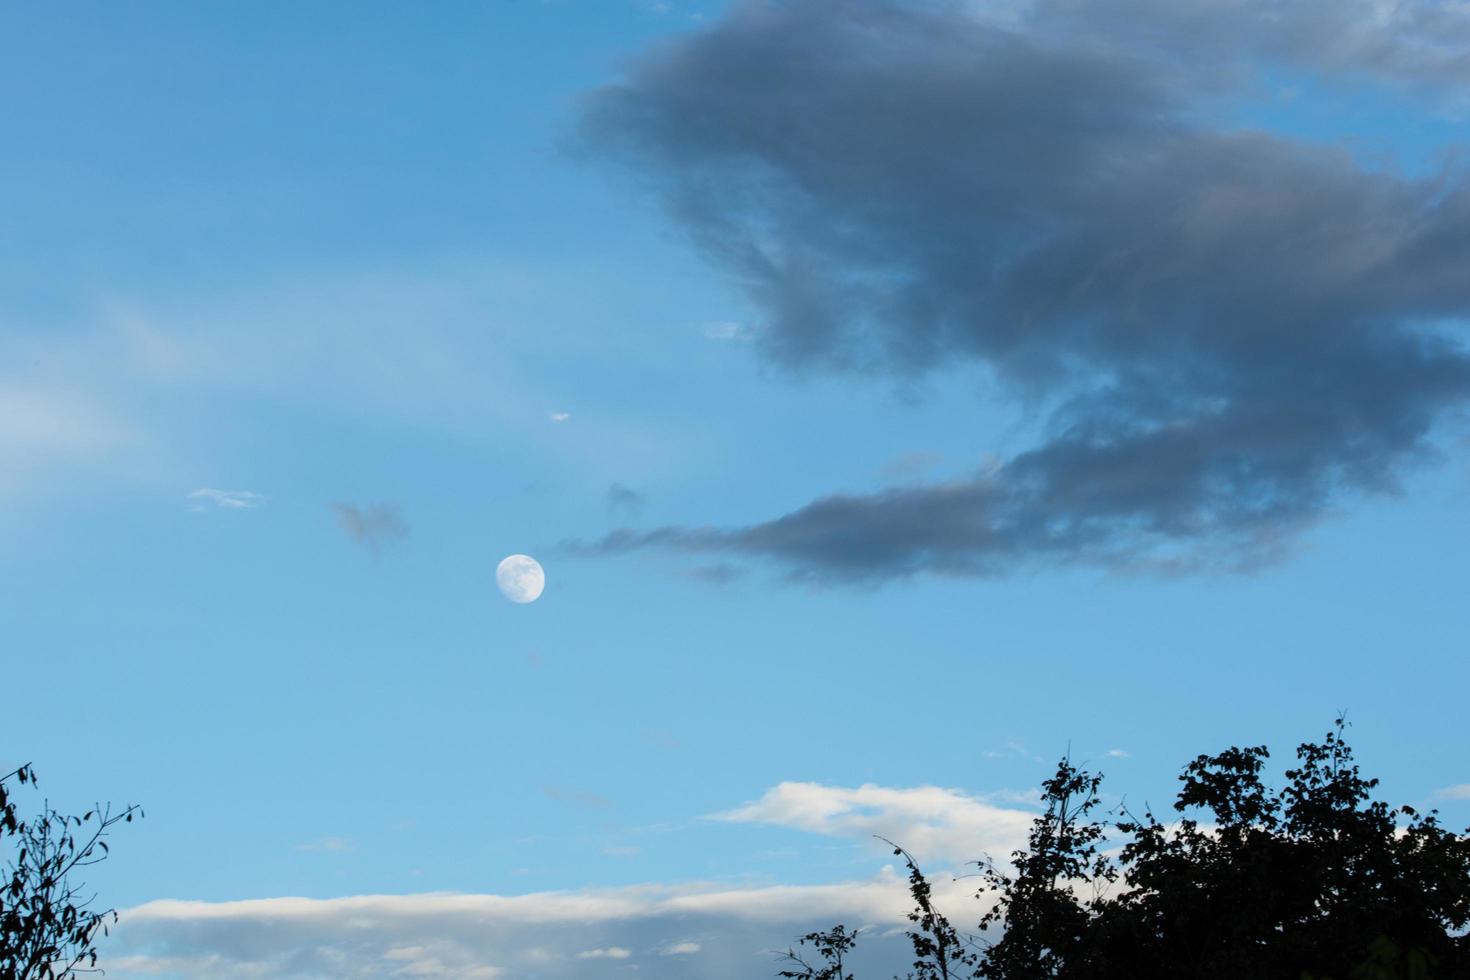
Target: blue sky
[{"x": 483, "y": 264}]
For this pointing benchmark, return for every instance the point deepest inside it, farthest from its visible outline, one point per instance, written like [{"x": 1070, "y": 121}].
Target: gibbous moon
[{"x": 521, "y": 578}]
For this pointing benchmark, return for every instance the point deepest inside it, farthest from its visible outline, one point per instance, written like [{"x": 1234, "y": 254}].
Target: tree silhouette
[
  {"x": 1046, "y": 922},
  {"x": 1313, "y": 881},
  {"x": 832, "y": 946},
  {"x": 47, "y": 930}
]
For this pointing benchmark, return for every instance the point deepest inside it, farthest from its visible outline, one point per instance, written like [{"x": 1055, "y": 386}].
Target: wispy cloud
[
  {"x": 625, "y": 500},
  {"x": 60, "y": 428},
  {"x": 140, "y": 389},
  {"x": 726, "y": 330},
  {"x": 372, "y": 525},
  {"x": 328, "y": 845},
  {"x": 610, "y": 953},
  {"x": 55, "y": 420},
  {"x": 1458, "y": 792},
  {"x": 436, "y": 960},
  {"x": 560, "y": 416},
  {"x": 720, "y": 573},
  {"x": 204, "y": 497}
]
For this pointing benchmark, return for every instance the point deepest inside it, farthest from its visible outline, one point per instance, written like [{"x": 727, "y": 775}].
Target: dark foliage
[
  {"x": 1313, "y": 881},
  {"x": 832, "y": 946},
  {"x": 939, "y": 952},
  {"x": 47, "y": 929}
]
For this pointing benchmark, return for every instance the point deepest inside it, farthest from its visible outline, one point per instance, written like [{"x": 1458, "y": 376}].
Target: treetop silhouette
[
  {"x": 48, "y": 930},
  {"x": 1315, "y": 880}
]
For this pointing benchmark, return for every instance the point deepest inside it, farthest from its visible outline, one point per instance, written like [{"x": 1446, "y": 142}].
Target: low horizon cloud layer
[
  {"x": 657, "y": 930},
  {"x": 1230, "y": 331}
]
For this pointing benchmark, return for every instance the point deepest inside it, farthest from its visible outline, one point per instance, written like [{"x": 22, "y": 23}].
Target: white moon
[{"x": 521, "y": 578}]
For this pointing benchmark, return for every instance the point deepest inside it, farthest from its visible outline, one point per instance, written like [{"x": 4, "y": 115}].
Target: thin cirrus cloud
[
  {"x": 1231, "y": 331},
  {"x": 57, "y": 421},
  {"x": 372, "y": 525},
  {"x": 726, "y": 330},
  {"x": 58, "y": 429},
  {"x": 207, "y": 498}
]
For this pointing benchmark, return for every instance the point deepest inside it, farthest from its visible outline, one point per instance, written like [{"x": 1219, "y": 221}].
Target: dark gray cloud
[
  {"x": 372, "y": 525},
  {"x": 625, "y": 500},
  {"x": 1230, "y": 329},
  {"x": 721, "y": 573},
  {"x": 1419, "y": 45}
]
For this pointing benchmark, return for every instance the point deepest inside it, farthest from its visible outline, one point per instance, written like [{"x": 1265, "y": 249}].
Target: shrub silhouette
[
  {"x": 1314, "y": 881},
  {"x": 47, "y": 930}
]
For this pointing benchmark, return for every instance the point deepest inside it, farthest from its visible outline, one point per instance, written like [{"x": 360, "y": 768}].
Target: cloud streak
[
  {"x": 1230, "y": 331},
  {"x": 59, "y": 428},
  {"x": 204, "y": 497}
]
